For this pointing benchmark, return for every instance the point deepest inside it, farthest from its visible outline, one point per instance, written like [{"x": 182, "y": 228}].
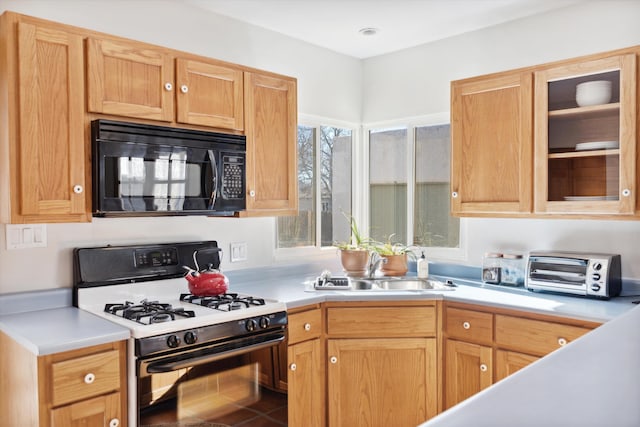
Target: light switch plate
[
  {"x": 23, "y": 236},
  {"x": 238, "y": 251}
]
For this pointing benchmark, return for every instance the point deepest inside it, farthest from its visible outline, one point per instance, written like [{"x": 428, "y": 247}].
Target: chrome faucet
[{"x": 374, "y": 263}]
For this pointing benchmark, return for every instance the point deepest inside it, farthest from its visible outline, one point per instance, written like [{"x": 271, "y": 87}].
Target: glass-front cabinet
[{"x": 585, "y": 137}]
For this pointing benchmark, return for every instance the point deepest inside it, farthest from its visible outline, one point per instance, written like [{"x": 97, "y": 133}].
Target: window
[
  {"x": 324, "y": 188},
  {"x": 409, "y": 187}
]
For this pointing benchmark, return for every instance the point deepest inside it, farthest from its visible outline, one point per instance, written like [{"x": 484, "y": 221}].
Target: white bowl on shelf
[{"x": 595, "y": 92}]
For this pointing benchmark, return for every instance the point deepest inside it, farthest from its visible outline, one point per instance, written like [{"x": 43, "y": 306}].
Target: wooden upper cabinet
[
  {"x": 129, "y": 79},
  {"x": 271, "y": 130},
  {"x": 47, "y": 151},
  {"x": 585, "y": 155},
  {"x": 209, "y": 94},
  {"x": 491, "y": 136}
]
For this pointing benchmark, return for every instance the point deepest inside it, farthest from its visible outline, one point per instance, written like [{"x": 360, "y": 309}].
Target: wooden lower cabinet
[
  {"x": 381, "y": 382},
  {"x": 508, "y": 362},
  {"x": 305, "y": 384},
  {"x": 83, "y": 387},
  {"x": 468, "y": 369}
]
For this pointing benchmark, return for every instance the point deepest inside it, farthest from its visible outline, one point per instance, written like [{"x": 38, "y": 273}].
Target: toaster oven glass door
[{"x": 565, "y": 272}]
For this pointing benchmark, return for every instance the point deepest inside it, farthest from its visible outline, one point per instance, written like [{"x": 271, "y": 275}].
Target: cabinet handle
[
  {"x": 483, "y": 368},
  {"x": 562, "y": 341},
  {"x": 78, "y": 189},
  {"x": 168, "y": 87},
  {"x": 466, "y": 325},
  {"x": 184, "y": 88},
  {"x": 454, "y": 194},
  {"x": 333, "y": 360},
  {"x": 114, "y": 422},
  {"x": 252, "y": 193},
  {"x": 293, "y": 367},
  {"x": 307, "y": 327},
  {"x": 626, "y": 192},
  {"x": 89, "y": 378}
]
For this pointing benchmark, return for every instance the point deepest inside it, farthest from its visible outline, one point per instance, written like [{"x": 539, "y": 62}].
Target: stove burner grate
[
  {"x": 223, "y": 302},
  {"x": 148, "y": 312}
]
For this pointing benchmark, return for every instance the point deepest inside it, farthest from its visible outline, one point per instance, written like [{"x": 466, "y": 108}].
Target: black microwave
[{"x": 141, "y": 170}]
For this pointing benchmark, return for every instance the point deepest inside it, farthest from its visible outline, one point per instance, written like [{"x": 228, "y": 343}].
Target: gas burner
[
  {"x": 148, "y": 312},
  {"x": 224, "y": 302}
]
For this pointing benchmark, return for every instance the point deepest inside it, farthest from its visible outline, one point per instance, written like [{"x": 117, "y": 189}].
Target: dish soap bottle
[{"x": 423, "y": 267}]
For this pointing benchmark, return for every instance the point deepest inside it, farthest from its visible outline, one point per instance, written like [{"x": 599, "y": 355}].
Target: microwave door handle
[{"x": 214, "y": 178}]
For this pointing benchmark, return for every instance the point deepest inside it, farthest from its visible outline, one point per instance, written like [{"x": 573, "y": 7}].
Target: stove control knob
[
  {"x": 173, "y": 341},
  {"x": 251, "y": 325},
  {"x": 264, "y": 322},
  {"x": 190, "y": 337}
]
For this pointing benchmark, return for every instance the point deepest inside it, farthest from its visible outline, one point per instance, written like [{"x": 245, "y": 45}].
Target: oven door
[{"x": 218, "y": 385}]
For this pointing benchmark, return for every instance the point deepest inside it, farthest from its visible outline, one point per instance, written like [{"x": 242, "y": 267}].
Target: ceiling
[{"x": 335, "y": 24}]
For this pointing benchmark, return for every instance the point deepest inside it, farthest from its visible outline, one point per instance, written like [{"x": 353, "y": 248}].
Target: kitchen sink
[{"x": 399, "y": 284}]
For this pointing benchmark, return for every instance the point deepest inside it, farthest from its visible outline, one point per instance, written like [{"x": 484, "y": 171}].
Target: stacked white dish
[{"x": 593, "y": 93}]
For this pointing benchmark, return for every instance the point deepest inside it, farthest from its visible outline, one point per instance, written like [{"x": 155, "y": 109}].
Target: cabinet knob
[
  {"x": 562, "y": 341},
  {"x": 626, "y": 192},
  {"x": 184, "y": 88},
  {"x": 466, "y": 325},
  {"x": 333, "y": 360},
  {"x": 89, "y": 378},
  {"x": 483, "y": 368},
  {"x": 293, "y": 367},
  {"x": 252, "y": 193},
  {"x": 307, "y": 327},
  {"x": 454, "y": 194},
  {"x": 168, "y": 87},
  {"x": 78, "y": 189},
  {"x": 114, "y": 422}
]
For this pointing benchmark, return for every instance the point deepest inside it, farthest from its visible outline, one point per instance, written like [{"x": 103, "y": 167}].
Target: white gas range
[{"x": 142, "y": 287}]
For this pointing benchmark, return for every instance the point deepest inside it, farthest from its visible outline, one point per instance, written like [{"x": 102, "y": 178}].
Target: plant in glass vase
[{"x": 354, "y": 254}]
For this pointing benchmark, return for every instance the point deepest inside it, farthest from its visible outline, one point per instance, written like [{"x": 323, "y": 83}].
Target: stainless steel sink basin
[{"x": 399, "y": 284}]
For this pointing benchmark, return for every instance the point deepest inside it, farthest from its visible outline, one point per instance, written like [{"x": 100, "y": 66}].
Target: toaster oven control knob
[
  {"x": 595, "y": 287},
  {"x": 251, "y": 325},
  {"x": 190, "y": 337},
  {"x": 597, "y": 266},
  {"x": 264, "y": 322},
  {"x": 596, "y": 276},
  {"x": 173, "y": 341}
]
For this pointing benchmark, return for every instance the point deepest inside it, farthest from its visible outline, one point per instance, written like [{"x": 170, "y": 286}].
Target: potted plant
[
  {"x": 396, "y": 255},
  {"x": 354, "y": 254}
]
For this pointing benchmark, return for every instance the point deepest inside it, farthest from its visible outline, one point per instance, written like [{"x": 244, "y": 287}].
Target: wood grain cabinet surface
[
  {"x": 43, "y": 149},
  {"x": 80, "y": 387}
]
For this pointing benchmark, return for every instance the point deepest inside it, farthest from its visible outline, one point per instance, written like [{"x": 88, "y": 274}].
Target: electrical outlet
[
  {"x": 22, "y": 236},
  {"x": 238, "y": 251}
]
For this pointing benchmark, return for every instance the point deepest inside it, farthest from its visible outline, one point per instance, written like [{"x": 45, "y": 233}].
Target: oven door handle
[{"x": 159, "y": 367}]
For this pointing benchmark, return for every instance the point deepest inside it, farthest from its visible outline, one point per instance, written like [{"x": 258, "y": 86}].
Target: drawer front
[
  {"x": 382, "y": 321},
  {"x": 304, "y": 325},
  {"x": 83, "y": 377},
  {"x": 534, "y": 336},
  {"x": 469, "y": 325}
]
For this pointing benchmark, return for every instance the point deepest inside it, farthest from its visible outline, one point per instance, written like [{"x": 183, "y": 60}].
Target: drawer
[
  {"x": 469, "y": 325},
  {"x": 304, "y": 325},
  {"x": 534, "y": 336},
  {"x": 86, "y": 376},
  {"x": 407, "y": 321}
]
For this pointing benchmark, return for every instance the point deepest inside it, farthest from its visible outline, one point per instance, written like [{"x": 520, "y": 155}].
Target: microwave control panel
[{"x": 233, "y": 176}]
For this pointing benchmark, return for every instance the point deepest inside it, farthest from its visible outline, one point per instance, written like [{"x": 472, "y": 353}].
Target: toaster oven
[{"x": 577, "y": 273}]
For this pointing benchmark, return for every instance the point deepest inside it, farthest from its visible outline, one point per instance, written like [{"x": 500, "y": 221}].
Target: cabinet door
[
  {"x": 508, "y": 362},
  {"x": 381, "y": 382},
  {"x": 51, "y": 155},
  {"x": 209, "y": 94},
  {"x": 305, "y": 381},
  {"x": 130, "y": 80},
  {"x": 491, "y": 137},
  {"x": 468, "y": 369},
  {"x": 100, "y": 411},
  {"x": 585, "y": 149},
  {"x": 271, "y": 130}
]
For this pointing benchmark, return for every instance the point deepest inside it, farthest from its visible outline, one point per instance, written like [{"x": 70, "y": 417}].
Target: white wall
[
  {"x": 329, "y": 85},
  {"x": 416, "y": 82}
]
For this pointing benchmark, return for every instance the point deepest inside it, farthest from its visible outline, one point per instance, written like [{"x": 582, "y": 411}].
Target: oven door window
[
  {"x": 158, "y": 178},
  {"x": 221, "y": 392}
]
